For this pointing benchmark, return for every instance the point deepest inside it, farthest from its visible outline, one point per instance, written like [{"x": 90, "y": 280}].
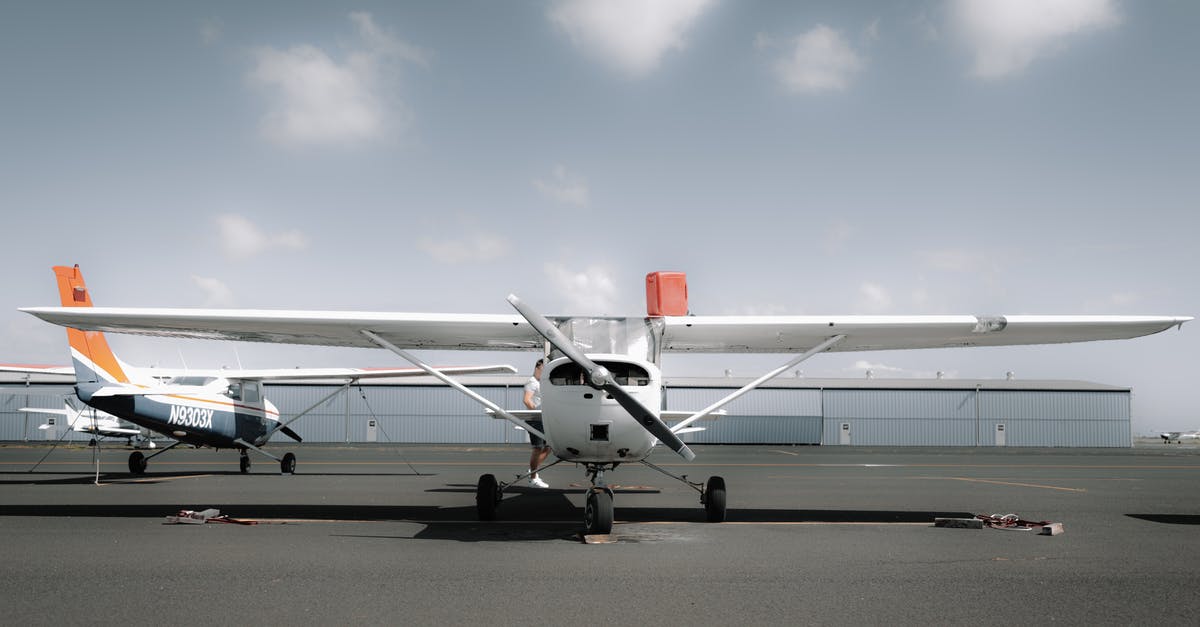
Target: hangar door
[{"x": 762, "y": 416}]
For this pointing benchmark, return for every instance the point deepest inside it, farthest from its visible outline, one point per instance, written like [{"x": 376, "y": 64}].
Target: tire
[
  {"x": 244, "y": 464},
  {"x": 288, "y": 464},
  {"x": 714, "y": 499},
  {"x": 487, "y": 497},
  {"x": 598, "y": 512},
  {"x": 137, "y": 463}
]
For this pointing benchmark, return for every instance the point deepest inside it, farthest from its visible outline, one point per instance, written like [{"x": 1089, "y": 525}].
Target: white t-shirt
[{"x": 536, "y": 387}]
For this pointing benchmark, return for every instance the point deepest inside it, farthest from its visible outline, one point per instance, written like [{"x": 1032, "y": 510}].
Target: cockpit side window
[
  {"x": 250, "y": 392},
  {"x": 235, "y": 390}
]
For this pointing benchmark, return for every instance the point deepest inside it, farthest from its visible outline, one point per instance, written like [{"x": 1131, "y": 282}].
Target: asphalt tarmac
[{"x": 815, "y": 535}]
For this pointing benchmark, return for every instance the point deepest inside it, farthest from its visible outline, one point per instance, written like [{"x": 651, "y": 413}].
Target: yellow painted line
[{"x": 1012, "y": 483}]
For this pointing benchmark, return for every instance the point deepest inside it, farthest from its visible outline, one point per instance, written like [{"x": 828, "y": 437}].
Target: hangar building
[{"x": 828, "y": 412}]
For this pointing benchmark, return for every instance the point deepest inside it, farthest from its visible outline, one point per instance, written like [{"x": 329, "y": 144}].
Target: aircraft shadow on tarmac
[
  {"x": 1169, "y": 519},
  {"x": 38, "y": 477},
  {"x": 524, "y": 515}
]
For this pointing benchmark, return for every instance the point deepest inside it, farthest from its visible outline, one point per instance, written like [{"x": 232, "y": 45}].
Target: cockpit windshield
[
  {"x": 626, "y": 374},
  {"x": 190, "y": 380}
]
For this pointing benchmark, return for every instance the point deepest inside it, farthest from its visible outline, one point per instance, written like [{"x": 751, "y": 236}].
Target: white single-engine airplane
[
  {"x": 86, "y": 420},
  {"x": 93, "y": 421},
  {"x": 602, "y": 386},
  {"x": 222, "y": 409},
  {"x": 1179, "y": 436}
]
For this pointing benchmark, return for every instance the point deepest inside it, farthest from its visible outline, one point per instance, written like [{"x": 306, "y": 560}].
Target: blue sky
[{"x": 938, "y": 156}]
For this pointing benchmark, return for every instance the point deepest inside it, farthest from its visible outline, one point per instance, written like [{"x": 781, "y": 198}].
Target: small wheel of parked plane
[
  {"x": 487, "y": 497},
  {"x": 137, "y": 463},
  {"x": 714, "y": 499},
  {"x": 598, "y": 512},
  {"x": 244, "y": 463},
  {"x": 288, "y": 464}
]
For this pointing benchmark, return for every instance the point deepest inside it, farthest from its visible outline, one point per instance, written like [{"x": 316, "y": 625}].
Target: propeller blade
[
  {"x": 291, "y": 434},
  {"x": 547, "y": 330},
  {"x": 649, "y": 421},
  {"x": 600, "y": 378}
]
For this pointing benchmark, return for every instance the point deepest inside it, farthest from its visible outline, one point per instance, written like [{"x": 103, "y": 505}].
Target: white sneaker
[{"x": 538, "y": 483}]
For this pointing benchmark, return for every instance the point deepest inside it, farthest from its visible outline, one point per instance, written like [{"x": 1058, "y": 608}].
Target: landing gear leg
[{"x": 712, "y": 493}]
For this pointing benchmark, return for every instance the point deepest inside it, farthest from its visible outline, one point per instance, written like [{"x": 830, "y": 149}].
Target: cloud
[
  {"x": 959, "y": 260},
  {"x": 211, "y": 31},
  {"x": 242, "y": 239},
  {"x": 469, "y": 248},
  {"x": 875, "y": 298},
  {"x": 564, "y": 187},
  {"x": 836, "y": 236},
  {"x": 862, "y": 367},
  {"x": 629, "y": 35},
  {"x": 319, "y": 100},
  {"x": 1005, "y": 36},
  {"x": 216, "y": 293},
  {"x": 592, "y": 291},
  {"x": 821, "y": 60}
]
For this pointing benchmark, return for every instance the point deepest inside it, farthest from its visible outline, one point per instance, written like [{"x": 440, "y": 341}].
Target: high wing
[
  {"x": 36, "y": 369},
  {"x": 270, "y": 375},
  {"x": 793, "y": 334},
  {"x": 321, "y": 328},
  {"x": 701, "y": 334}
]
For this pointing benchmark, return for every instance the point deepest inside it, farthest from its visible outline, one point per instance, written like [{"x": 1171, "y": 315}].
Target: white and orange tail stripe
[{"x": 93, "y": 359}]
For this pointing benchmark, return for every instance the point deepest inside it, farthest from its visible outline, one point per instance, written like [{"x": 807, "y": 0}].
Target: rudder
[{"x": 94, "y": 361}]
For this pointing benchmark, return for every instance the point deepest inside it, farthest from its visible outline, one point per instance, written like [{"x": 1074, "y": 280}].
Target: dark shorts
[{"x": 533, "y": 439}]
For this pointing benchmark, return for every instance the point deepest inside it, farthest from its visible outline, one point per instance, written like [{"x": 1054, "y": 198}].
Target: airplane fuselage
[
  {"x": 587, "y": 425},
  {"x": 201, "y": 419}
]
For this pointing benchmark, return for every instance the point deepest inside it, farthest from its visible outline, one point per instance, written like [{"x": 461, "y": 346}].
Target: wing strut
[
  {"x": 823, "y": 346},
  {"x": 282, "y": 426},
  {"x": 434, "y": 372}
]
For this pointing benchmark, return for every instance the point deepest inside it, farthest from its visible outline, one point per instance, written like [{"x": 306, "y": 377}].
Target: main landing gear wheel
[
  {"x": 244, "y": 463},
  {"x": 137, "y": 463},
  {"x": 487, "y": 497},
  {"x": 714, "y": 499},
  {"x": 598, "y": 512},
  {"x": 288, "y": 464}
]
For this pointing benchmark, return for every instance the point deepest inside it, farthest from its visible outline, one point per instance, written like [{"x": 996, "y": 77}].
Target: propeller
[
  {"x": 600, "y": 378},
  {"x": 289, "y": 433}
]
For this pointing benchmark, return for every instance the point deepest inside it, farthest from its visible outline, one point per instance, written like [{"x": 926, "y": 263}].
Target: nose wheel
[{"x": 598, "y": 511}]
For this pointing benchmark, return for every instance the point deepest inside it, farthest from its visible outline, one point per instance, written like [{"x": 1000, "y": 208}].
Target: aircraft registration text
[{"x": 191, "y": 417}]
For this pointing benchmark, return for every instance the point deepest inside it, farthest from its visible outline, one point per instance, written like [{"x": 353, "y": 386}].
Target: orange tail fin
[{"x": 93, "y": 359}]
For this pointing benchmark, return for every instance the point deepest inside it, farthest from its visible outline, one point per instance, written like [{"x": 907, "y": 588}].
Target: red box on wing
[{"x": 666, "y": 294}]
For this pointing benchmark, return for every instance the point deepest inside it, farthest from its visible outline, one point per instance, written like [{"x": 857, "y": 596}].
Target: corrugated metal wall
[
  {"x": 18, "y": 426},
  {"x": 407, "y": 413},
  {"x": 762, "y": 416},
  {"x": 783, "y": 415},
  {"x": 901, "y": 417},
  {"x": 1056, "y": 418}
]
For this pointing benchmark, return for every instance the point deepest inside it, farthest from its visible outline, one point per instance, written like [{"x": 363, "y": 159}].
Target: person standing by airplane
[{"x": 533, "y": 400}]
